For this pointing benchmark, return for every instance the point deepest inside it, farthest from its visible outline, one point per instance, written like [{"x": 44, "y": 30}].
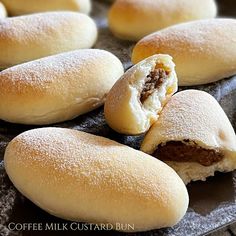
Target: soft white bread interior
[
  {"x": 21, "y": 7},
  {"x": 26, "y": 38},
  {"x": 196, "y": 118},
  {"x": 203, "y": 51},
  {"x": 134, "y": 102},
  {"x": 3, "y": 12},
  {"x": 134, "y": 19},
  {"x": 82, "y": 177},
  {"x": 57, "y": 88}
]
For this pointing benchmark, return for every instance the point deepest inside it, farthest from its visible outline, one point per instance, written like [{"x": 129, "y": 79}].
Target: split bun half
[
  {"x": 135, "y": 101},
  {"x": 194, "y": 136}
]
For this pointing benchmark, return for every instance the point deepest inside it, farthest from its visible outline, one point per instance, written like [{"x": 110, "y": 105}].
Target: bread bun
[
  {"x": 204, "y": 51},
  {"x": 135, "y": 100},
  {"x": 134, "y": 19},
  {"x": 194, "y": 136},
  {"x": 30, "y": 37},
  {"x": 82, "y": 177},
  {"x": 57, "y": 88},
  {"x": 3, "y": 12},
  {"x": 21, "y": 7}
]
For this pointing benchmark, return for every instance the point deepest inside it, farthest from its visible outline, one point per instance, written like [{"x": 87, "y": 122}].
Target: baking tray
[{"x": 212, "y": 203}]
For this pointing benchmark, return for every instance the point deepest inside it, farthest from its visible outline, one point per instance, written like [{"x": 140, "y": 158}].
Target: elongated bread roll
[
  {"x": 30, "y": 37},
  {"x": 134, "y": 19},
  {"x": 203, "y": 51},
  {"x": 57, "y": 88},
  {"x": 194, "y": 136},
  {"x": 21, "y": 7},
  {"x": 82, "y": 177},
  {"x": 135, "y": 100},
  {"x": 3, "y": 12}
]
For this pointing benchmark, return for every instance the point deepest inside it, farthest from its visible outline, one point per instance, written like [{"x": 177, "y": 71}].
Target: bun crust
[
  {"x": 21, "y": 7},
  {"x": 134, "y": 19},
  {"x": 124, "y": 109},
  {"x": 203, "y": 51},
  {"x": 3, "y": 12},
  {"x": 57, "y": 88},
  {"x": 82, "y": 177},
  {"x": 30, "y": 37},
  {"x": 195, "y": 116}
]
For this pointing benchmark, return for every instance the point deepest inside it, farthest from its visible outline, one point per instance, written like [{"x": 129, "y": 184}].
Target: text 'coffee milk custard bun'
[
  {"x": 134, "y": 102},
  {"x": 57, "y": 88},
  {"x": 86, "y": 178},
  {"x": 3, "y": 12},
  {"x": 134, "y": 19},
  {"x": 21, "y": 7},
  {"x": 203, "y": 51},
  {"x": 25, "y": 38},
  {"x": 194, "y": 136}
]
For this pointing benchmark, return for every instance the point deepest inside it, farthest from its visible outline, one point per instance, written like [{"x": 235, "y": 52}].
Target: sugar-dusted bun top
[{"x": 79, "y": 176}]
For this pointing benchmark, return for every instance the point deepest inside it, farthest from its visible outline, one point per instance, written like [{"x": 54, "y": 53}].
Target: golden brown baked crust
[
  {"x": 30, "y": 37},
  {"x": 134, "y": 19},
  {"x": 57, "y": 88},
  {"x": 197, "y": 117},
  {"x": 203, "y": 51},
  {"x": 21, "y": 7},
  {"x": 134, "y": 102},
  {"x": 82, "y": 177}
]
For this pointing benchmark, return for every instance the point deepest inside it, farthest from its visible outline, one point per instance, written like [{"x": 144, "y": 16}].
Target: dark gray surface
[{"x": 212, "y": 203}]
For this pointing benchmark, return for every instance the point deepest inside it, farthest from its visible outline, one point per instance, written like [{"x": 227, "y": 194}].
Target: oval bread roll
[
  {"x": 30, "y": 37},
  {"x": 135, "y": 101},
  {"x": 57, "y": 88},
  {"x": 194, "y": 136},
  {"x": 203, "y": 51},
  {"x": 21, "y": 7},
  {"x": 134, "y": 19},
  {"x": 3, "y": 12},
  {"x": 82, "y": 177}
]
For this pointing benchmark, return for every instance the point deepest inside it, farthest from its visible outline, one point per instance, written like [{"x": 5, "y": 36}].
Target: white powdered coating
[
  {"x": 196, "y": 116},
  {"x": 123, "y": 110},
  {"x": 57, "y": 88},
  {"x": 203, "y": 51},
  {"x": 101, "y": 180},
  {"x": 22, "y": 7},
  {"x": 30, "y": 37},
  {"x": 39, "y": 74},
  {"x": 193, "y": 115}
]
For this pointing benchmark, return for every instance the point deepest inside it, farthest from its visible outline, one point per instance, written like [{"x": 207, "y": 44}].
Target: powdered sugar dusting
[
  {"x": 196, "y": 36},
  {"x": 30, "y": 27},
  {"x": 95, "y": 161}
]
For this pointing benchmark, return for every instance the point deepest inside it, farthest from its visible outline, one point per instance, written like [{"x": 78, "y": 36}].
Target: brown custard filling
[
  {"x": 184, "y": 152},
  {"x": 152, "y": 82}
]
